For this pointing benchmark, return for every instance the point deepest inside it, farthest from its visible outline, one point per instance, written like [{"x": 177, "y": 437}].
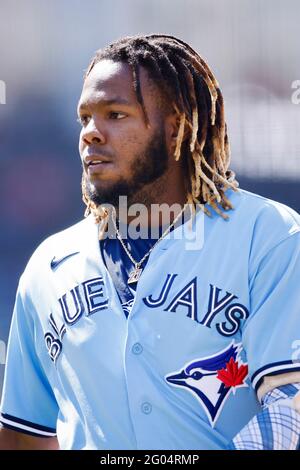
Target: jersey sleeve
[
  {"x": 271, "y": 334},
  {"x": 28, "y": 403}
]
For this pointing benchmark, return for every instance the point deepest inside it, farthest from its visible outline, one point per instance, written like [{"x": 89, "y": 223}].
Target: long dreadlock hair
[{"x": 197, "y": 99}]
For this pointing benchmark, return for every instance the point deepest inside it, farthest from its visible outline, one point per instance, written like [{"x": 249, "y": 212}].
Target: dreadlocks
[{"x": 198, "y": 102}]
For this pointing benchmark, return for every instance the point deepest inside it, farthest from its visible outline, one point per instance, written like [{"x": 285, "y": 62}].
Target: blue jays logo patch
[{"x": 212, "y": 379}]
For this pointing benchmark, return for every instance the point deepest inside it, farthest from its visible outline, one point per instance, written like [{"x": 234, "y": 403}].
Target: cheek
[{"x": 129, "y": 145}]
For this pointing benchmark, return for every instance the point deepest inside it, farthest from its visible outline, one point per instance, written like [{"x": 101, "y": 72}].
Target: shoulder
[
  {"x": 70, "y": 237},
  {"x": 264, "y": 214},
  {"x": 60, "y": 244},
  {"x": 263, "y": 222},
  {"x": 255, "y": 206}
]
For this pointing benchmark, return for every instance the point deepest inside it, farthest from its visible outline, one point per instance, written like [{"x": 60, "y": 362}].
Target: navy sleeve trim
[
  {"x": 18, "y": 424},
  {"x": 274, "y": 368}
]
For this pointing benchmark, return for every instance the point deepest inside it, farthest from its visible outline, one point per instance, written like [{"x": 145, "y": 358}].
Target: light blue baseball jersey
[{"x": 180, "y": 372}]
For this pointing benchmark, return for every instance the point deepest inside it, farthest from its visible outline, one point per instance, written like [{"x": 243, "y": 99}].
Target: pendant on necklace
[{"x": 134, "y": 275}]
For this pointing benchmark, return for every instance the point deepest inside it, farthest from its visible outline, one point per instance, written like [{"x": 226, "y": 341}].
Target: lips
[
  {"x": 98, "y": 166},
  {"x": 93, "y": 160}
]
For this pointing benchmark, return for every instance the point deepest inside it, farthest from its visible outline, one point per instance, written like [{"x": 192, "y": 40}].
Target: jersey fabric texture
[{"x": 182, "y": 369}]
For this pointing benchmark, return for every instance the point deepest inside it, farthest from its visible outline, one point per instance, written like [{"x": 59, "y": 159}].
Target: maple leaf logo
[{"x": 234, "y": 374}]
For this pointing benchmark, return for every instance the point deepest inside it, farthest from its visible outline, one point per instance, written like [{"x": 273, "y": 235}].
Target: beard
[{"x": 146, "y": 168}]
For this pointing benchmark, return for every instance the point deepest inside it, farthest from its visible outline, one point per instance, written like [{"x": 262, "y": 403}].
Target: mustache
[
  {"x": 88, "y": 156},
  {"x": 95, "y": 151}
]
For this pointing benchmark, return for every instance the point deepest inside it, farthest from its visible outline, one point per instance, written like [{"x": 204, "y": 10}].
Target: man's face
[{"x": 119, "y": 153}]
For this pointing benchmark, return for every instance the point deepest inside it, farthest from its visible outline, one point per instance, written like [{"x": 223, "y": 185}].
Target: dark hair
[{"x": 198, "y": 101}]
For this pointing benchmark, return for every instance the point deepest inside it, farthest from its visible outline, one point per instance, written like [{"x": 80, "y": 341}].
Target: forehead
[{"x": 109, "y": 80}]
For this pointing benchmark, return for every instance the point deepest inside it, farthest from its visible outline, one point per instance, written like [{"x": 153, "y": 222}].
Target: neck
[
  {"x": 156, "y": 204},
  {"x": 151, "y": 214}
]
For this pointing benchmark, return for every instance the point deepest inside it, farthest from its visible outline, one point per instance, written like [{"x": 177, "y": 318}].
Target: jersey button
[
  {"x": 137, "y": 348},
  {"x": 146, "y": 408}
]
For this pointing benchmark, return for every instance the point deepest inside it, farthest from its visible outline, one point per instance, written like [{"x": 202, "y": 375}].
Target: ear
[{"x": 172, "y": 124}]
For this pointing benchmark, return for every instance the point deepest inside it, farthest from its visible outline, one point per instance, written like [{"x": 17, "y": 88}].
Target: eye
[
  {"x": 117, "y": 115},
  {"x": 83, "y": 119},
  {"x": 197, "y": 375}
]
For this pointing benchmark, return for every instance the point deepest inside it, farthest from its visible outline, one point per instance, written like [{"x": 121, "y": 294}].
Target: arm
[
  {"x": 13, "y": 440},
  {"x": 269, "y": 336},
  {"x": 28, "y": 411},
  {"x": 277, "y": 426}
]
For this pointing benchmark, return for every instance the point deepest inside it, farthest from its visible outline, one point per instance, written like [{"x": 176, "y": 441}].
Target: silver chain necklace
[{"x": 135, "y": 274}]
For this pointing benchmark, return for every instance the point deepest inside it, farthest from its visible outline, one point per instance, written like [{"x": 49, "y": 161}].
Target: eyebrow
[{"x": 106, "y": 102}]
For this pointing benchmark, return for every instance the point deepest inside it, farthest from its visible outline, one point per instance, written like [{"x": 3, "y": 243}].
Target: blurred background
[{"x": 45, "y": 46}]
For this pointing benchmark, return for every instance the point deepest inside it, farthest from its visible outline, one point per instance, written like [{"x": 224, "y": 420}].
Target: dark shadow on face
[{"x": 146, "y": 168}]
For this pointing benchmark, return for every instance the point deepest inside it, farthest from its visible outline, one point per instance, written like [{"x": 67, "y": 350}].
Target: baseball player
[{"x": 125, "y": 342}]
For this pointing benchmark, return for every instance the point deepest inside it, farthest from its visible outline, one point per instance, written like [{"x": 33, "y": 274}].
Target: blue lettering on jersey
[
  {"x": 73, "y": 307},
  {"x": 53, "y": 346},
  {"x": 93, "y": 291},
  {"x": 150, "y": 302},
  {"x": 217, "y": 304},
  {"x": 68, "y": 307},
  {"x": 235, "y": 313},
  {"x": 187, "y": 297},
  {"x": 88, "y": 298},
  {"x": 59, "y": 331}
]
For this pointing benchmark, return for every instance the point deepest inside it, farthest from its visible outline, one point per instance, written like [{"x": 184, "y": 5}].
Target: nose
[{"x": 91, "y": 134}]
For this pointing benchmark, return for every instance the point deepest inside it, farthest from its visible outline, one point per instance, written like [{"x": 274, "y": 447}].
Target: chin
[
  {"x": 99, "y": 188},
  {"x": 103, "y": 194}
]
